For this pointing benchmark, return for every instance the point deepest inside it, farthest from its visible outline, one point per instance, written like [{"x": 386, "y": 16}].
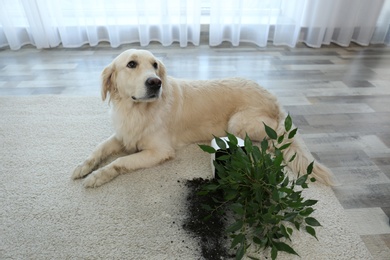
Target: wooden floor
[{"x": 338, "y": 97}]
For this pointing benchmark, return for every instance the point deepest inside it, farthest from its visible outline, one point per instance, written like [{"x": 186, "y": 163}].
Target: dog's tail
[{"x": 303, "y": 158}]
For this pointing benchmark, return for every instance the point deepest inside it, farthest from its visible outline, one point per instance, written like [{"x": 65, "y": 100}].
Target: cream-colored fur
[{"x": 151, "y": 124}]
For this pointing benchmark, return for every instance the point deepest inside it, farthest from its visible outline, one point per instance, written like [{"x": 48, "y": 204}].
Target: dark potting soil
[{"x": 210, "y": 233}]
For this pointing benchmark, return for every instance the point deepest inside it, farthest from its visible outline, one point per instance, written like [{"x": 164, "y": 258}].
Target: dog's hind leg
[{"x": 249, "y": 122}]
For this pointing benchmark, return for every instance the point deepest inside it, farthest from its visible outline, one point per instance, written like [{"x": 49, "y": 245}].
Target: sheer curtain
[
  {"x": 46, "y": 23},
  {"x": 72, "y": 23},
  {"x": 286, "y": 22}
]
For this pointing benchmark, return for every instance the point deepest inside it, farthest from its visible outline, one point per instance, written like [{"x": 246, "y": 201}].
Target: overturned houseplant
[{"x": 265, "y": 203}]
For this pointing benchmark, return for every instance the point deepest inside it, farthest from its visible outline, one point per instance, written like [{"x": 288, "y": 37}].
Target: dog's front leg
[
  {"x": 143, "y": 159},
  {"x": 110, "y": 146}
]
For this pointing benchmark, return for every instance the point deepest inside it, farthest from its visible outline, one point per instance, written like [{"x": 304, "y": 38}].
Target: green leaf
[
  {"x": 221, "y": 143},
  {"x": 272, "y": 179},
  {"x": 280, "y": 175},
  {"x": 256, "y": 173},
  {"x": 230, "y": 194},
  {"x": 224, "y": 157},
  {"x": 278, "y": 160},
  {"x": 284, "y": 232},
  {"x": 285, "y": 248},
  {"x": 207, "y": 217},
  {"x": 274, "y": 253},
  {"x": 211, "y": 187},
  {"x": 293, "y": 157},
  {"x": 238, "y": 239},
  {"x": 306, "y": 212},
  {"x": 259, "y": 195},
  {"x": 292, "y": 133},
  {"x": 290, "y": 216},
  {"x": 219, "y": 169},
  {"x": 297, "y": 225},
  {"x": 256, "y": 154},
  {"x": 312, "y": 179},
  {"x": 217, "y": 200},
  {"x": 311, "y": 231},
  {"x": 310, "y": 202},
  {"x": 237, "y": 208},
  {"x": 284, "y": 184},
  {"x": 242, "y": 154},
  {"x": 240, "y": 252},
  {"x": 202, "y": 193},
  {"x": 296, "y": 196},
  {"x": 288, "y": 123},
  {"x": 310, "y": 168},
  {"x": 232, "y": 139},
  {"x": 235, "y": 226},
  {"x": 264, "y": 242},
  {"x": 257, "y": 240},
  {"x": 248, "y": 144},
  {"x": 296, "y": 204},
  {"x": 206, "y": 207},
  {"x": 285, "y": 146},
  {"x": 264, "y": 145},
  {"x": 301, "y": 180},
  {"x": 312, "y": 222},
  {"x": 270, "y": 132},
  {"x": 280, "y": 139},
  {"x": 207, "y": 148},
  {"x": 285, "y": 190},
  {"x": 275, "y": 195}
]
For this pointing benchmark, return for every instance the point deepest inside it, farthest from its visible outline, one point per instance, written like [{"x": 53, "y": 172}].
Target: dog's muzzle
[
  {"x": 153, "y": 87},
  {"x": 153, "y": 84},
  {"x": 153, "y": 90}
]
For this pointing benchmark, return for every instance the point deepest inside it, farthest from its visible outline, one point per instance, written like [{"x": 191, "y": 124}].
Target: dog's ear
[
  {"x": 161, "y": 70},
  {"x": 108, "y": 81}
]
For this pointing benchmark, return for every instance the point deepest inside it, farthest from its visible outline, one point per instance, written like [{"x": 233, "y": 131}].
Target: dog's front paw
[
  {"x": 92, "y": 181},
  {"x": 81, "y": 170},
  {"x": 99, "y": 177}
]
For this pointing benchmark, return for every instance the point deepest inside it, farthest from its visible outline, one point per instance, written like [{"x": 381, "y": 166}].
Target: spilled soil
[{"x": 210, "y": 233}]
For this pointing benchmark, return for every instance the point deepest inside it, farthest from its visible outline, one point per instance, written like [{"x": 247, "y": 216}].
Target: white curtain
[
  {"x": 72, "y": 23},
  {"x": 287, "y": 22},
  {"x": 46, "y": 23}
]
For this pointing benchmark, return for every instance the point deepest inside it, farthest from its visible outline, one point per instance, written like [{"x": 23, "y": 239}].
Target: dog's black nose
[{"x": 153, "y": 83}]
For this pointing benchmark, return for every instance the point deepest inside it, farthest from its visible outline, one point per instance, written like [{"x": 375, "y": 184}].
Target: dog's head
[{"x": 136, "y": 75}]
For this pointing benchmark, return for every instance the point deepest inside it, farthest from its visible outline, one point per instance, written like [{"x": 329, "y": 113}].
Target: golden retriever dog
[{"x": 154, "y": 115}]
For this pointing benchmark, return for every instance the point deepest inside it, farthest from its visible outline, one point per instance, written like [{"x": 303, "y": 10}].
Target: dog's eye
[
  {"x": 132, "y": 64},
  {"x": 155, "y": 65}
]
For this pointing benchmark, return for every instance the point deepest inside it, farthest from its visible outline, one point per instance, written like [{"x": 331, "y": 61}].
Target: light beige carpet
[{"x": 46, "y": 215}]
